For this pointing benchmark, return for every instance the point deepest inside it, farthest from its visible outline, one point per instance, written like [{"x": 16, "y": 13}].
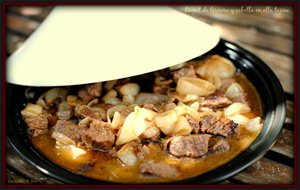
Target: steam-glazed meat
[
  {"x": 216, "y": 102},
  {"x": 193, "y": 123},
  {"x": 99, "y": 136},
  {"x": 191, "y": 146},
  {"x": 217, "y": 145},
  {"x": 217, "y": 126},
  {"x": 85, "y": 111},
  {"x": 159, "y": 169},
  {"x": 90, "y": 91},
  {"x": 184, "y": 72},
  {"x": 37, "y": 122},
  {"x": 67, "y": 132}
]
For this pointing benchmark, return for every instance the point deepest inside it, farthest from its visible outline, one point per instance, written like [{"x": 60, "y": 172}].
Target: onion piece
[
  {"x": 31, "y": 110},
  {"x": 182, "y": 127},
  {"x": 236, "y": 108},
  {"x": 254, "y": 124},
  {"x": 166, "y": 121},
  {"x": 127, "y": 155},
  {"x": 216, "y": 66},
  {"x": 117, "y": 120},
  {"x": 129, "y": 89},
  {"x": 55, "y": 93},
  {"x": 234, "y": 90},
  {"x": 197, "y": 86},
  {"x": 135, "y": 124},
  {"x": 151, "y": 132}
]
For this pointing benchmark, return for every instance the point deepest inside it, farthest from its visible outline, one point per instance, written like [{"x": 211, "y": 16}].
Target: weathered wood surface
[{"x": 268, "y": 35}]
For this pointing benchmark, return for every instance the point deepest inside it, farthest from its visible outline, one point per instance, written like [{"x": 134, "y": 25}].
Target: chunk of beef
[
  {"x": 37, "y": 122},
  {"x": 150, "y": 107},
  {"x": 86, "y": 111},
  {"x": 194, "y": 146},
  {"x": 145, "y": 150},
  {"x": 126, "y": 111},
  {"x": 193, "y": 123},
  {"x": 68, "y": 133},
  {"x": 37, "y": 132},
  {"x": 99, "y": 136},
  {"x": 159, "y": 169},
  {"x": 216, "y": 102},
  {"x": 184, "y": 72},
  {"x": 217, "y": 126},
  {"x": 90, "y": 91},
  {"x": 216, "y": 145},
  {"x": 160, "y": 89}
]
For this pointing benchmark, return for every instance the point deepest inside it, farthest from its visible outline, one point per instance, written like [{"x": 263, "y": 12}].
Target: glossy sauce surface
[{"x": 109, "y": 168}]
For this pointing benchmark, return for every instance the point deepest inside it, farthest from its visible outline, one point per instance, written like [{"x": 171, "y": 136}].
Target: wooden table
[{"x": 268, "y": 34}]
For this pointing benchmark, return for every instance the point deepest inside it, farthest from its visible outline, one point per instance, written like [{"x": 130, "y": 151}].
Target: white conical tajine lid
[{"x": 86, "y": 44}]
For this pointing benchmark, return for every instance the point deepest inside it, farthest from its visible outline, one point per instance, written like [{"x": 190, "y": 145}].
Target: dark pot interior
[{"x": 262, "y": 77}]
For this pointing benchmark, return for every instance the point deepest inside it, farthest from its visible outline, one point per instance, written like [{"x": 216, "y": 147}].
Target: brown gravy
[{"x": 111, "y": 169}]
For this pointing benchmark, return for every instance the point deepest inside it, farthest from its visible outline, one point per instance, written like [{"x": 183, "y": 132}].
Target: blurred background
[{"x": 266, "y": 31}]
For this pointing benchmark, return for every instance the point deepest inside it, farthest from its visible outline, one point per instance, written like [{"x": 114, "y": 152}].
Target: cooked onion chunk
[
  {"x": 197, "y": 86},
  {"x": 216, "y": 66}
]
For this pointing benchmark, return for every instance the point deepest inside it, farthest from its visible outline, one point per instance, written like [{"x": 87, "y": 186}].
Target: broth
[{"x": 103, "y": 165}]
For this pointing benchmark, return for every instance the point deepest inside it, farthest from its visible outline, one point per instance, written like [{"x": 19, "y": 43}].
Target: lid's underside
[{"x": 79, "y": 45}]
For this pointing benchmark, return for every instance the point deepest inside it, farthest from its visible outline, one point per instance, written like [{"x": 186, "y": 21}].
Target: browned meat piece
[
  {"x": 145, "y": 150},
  {"x": 159, "y": 169},
  {"x": 90, "y": 91},
  {"x": 159, "y": 89},
  {"x": 85, "y": 111},
  {"x": 216, "y": 145},
  {"x": 150, "y": 107},
  {"x": 193, "y": 123},
  {"x": 194, "y": 146},
  {"x": 99, "y": 136},
  {"x": 126, "y": 111},
  {"x": 217, "y": 126},
  {"x": 67, "y": 132},
  {"x": 37, "y": 132},
  {"x": 52, "y": 119},
  {"x": 216, "y": 102},
  {"x": 37, "y": 122},
  {"x": 184, "y": 72}
]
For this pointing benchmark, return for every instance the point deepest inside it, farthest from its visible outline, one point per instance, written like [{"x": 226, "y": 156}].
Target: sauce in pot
[{"x": 127, "y": 153}]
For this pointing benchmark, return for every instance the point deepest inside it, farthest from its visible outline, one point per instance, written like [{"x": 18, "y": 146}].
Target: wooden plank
[
  {"x": 285, "y": 143},
  {"x": 253, "y": 20},
  {"x": 290, "y": 112},
  {"x": 14, "y": 161},
  {"x": 281, "y": 65},
  {"x": 13, "y": 42},
  {"x": 251, "y": 36},
  {"x": 21, "y": 24},
  {"x": 265, "y": 171},
  {"x": 37, "y": 13},
  {"x": 14, "y": 178}
]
